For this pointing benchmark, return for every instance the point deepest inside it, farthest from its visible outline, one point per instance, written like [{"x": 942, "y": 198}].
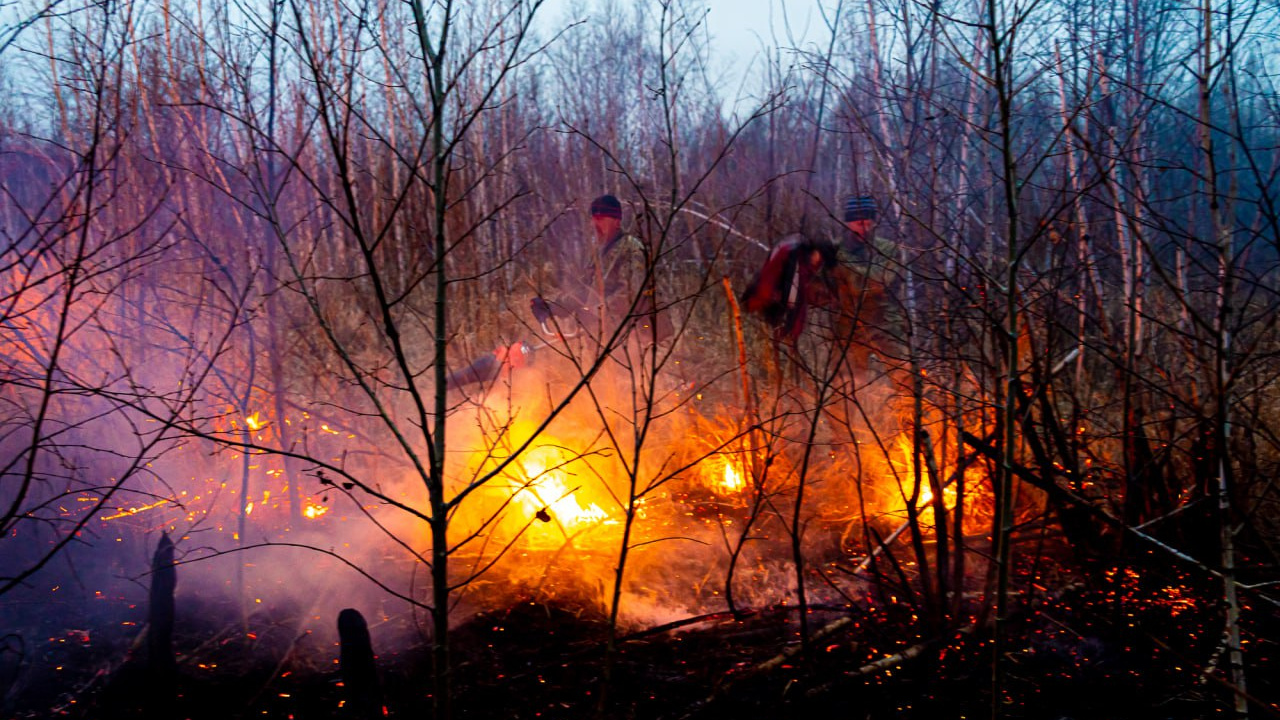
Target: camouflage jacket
[{"x": 600, "y": 294}]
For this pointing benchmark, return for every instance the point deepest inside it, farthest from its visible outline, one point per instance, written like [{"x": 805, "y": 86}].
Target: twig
[{"x": 881, "y": 547}]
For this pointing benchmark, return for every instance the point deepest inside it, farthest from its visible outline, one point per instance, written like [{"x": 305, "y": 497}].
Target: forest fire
[
  {"x": 560, "y": 504},
  {"x": 407, "y": 359}
]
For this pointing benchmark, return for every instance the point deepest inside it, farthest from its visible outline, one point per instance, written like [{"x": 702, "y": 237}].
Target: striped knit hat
[{"x": 859, "y": 207}]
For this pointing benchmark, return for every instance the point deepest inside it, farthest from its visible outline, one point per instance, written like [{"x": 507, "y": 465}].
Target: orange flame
[
  {"x": 548, "y": 496},
  {"x": 724, "y": 475}
]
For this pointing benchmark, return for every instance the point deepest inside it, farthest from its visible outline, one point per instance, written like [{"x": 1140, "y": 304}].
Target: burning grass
[{"x": 710, "y": 616}]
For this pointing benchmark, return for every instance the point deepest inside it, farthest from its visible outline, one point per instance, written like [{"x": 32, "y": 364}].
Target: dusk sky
[{"x": 739, "y": 30}]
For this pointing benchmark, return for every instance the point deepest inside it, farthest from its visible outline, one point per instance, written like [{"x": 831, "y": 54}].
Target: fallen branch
[
  {"x": 880, "y": 547},
  {"x": 677, "y": 624},
  {"x": 793, "y": 650},
  {"x": 888, "y": 662}
]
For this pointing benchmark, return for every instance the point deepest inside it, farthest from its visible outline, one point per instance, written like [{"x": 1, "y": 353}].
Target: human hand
[{"x": 541, "y": 309}]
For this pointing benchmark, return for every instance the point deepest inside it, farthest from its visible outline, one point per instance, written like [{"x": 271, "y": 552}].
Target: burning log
[{"x": 356, "y": 661}]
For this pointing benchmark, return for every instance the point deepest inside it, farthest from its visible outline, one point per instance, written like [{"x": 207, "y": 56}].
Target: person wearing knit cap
[
  {"x": 606, "y": 219},
  {"x": 859, "y": 285},
  {"x": 616, "y": 269},
  {"x": 606, "y": 206},
  {"x": 835, "y": 284},
  {"x": 600, "y": 293},
  {"x": 860, "y": 215}
]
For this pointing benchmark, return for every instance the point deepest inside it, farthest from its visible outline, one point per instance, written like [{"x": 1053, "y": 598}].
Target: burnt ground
[{"x": 1117, "y": 646}]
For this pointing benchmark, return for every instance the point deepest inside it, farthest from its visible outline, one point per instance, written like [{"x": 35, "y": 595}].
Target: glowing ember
[
  {"x": 122, "y": 512},
  {"x": 313, "y": 511}
]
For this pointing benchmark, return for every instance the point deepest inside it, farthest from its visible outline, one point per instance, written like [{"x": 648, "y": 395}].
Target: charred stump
[
  {"x": 356, "y": 662},
  {"x": 1147, "y": 494},
  {"x": 161, "y": 664}
]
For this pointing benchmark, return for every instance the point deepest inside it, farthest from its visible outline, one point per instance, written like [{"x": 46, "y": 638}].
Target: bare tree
[{"x": 70, "y": 258}]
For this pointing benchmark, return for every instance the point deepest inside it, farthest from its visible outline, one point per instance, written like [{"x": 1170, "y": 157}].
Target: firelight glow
[
  {"x": 548, "y": 492},
  {"x": 730, "y": 478}
]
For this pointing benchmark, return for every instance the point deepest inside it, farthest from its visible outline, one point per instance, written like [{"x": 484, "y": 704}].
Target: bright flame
[
  {"x": 552, "y": 500},
  {"x": 903, "y": 461},
  {"x": 313, "y": 511},
  {"x": 731, "y": 479},
  {"x": 548, "y": 491},
  {"x": 948, "y": 497},
  {"x": 253, "y": 422}
]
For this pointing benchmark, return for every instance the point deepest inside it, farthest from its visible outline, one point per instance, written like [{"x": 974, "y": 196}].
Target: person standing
[{"x": 613, "y": 286}]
